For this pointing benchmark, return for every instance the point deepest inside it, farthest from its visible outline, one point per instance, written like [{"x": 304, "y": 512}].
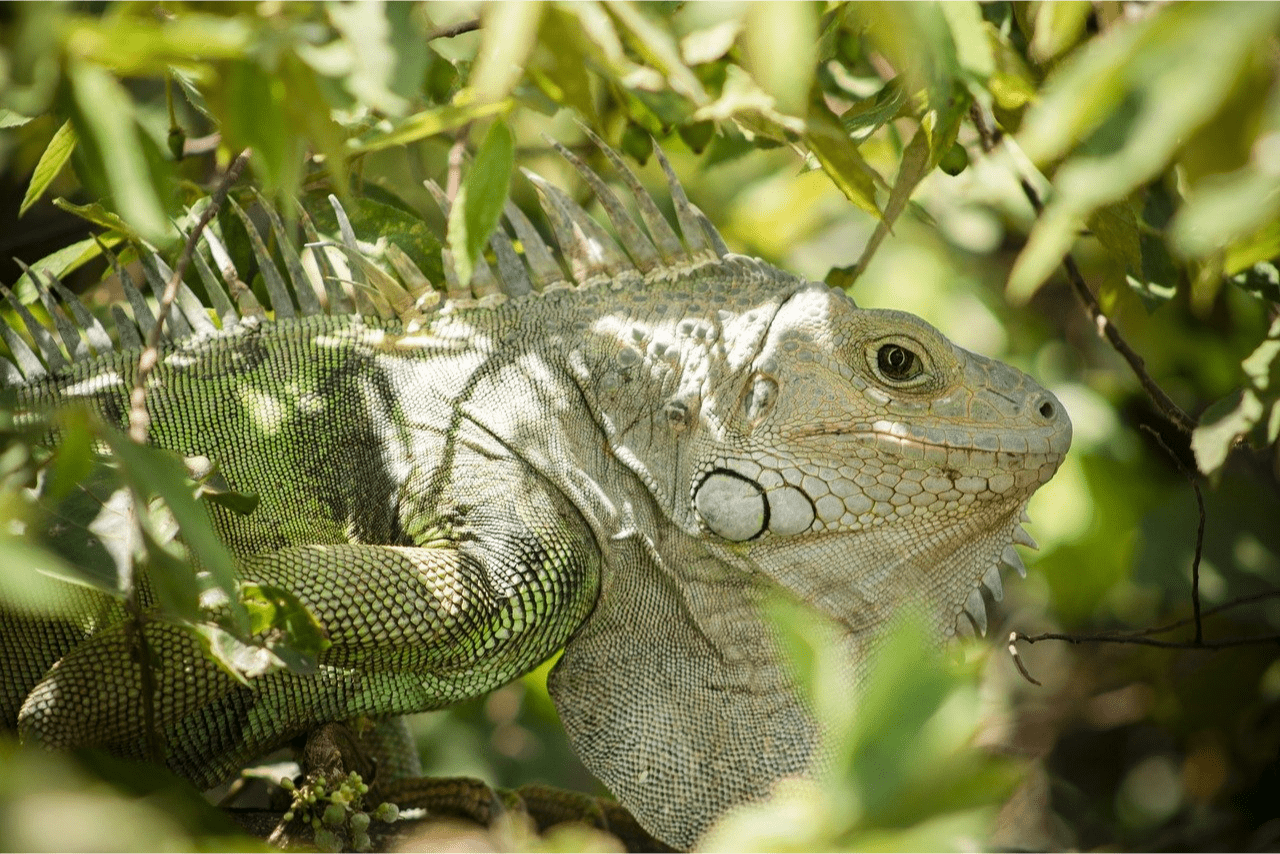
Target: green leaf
[
  {"x": 1116, "y": 227},
  {"x": 103, "y": 118},
  {"x": 67, "y": 259},
  {"x": 781, "y": 41},
  {"x": 55, "y": 156},
  {"x": 98, "y": 215},
  {"x": 293, "y": 633},
  {"x": 1133, "y": 95},
  {"x": 427, "y": 123},
  {"x": 254, "y": 110},
  {"x": 153, "y": 471},
  {"x": 843, "y": 164},
  {"x": 479, "y": 203},
  {"x": 1211, "y": 442},
  {"x": 28, "y": 582},
  {"x": 11, "y": 119},
  {"x": 508, "y": 32}
]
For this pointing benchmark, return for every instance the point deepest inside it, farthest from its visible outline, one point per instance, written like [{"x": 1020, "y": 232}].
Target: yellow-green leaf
[{"x": 55, "y": 156}]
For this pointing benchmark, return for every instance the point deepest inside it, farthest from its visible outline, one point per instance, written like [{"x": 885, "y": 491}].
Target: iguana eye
[{"x": 898, "y": 363}]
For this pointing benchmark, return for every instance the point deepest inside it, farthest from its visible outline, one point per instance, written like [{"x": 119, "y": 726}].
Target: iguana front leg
[{"x": 412, "y": 628}]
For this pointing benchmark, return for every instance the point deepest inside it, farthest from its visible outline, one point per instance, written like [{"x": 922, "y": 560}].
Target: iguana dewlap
[{"x": 624, "y": 456}]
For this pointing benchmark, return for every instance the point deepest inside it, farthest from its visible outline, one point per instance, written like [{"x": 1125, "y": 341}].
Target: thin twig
[
  {"x": 990, "y": 138},
  {"x": 139, "y": 426},
  {"x": 1144, "y": 640},
  {"x": 1195, "y": 561},
  {"x": 139, "y": 418},
  {"x": 448, "y": 31}
]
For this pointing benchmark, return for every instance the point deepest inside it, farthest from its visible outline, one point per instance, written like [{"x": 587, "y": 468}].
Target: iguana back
[{"x": 626, "y": 460}]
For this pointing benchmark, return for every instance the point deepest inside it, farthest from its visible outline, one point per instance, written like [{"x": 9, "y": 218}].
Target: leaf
[
  {"x": 1057, "y": 27},
  {"x": 28, "y": 582},
  {"x": 659, "y": 49},
  {"x": 1116, "y": 228},
  {"x": 100, "y": 216},
  {"x": 1211, "y": 442},
  {"x": 11, "y": 119},
  {"x": 479, "y": 203},
  {"x": 427, "y": 123},
  {"x": 254, "y": 112},
  {"x": 292, "y": 632},
  {"x": 103, "y": 118},
  {"x": 969, "y": 34},
  {"x": 1132, "y": 96},
  {"x": 842, "y": 162},
  {"x": 781, "y": 42},
  {"x": 508, "y": 31},
  {"x": 65, "y": 260},
  {"x": 55, "y": 156},
  {"x": 153, "y": 471}
]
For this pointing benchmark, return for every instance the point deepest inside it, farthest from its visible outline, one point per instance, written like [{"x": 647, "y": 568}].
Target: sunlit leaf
[
  {"x": 104, "y": 124},
  {"x": 781, "y": 47},
  {"x": 427, "y": 123},
  {"x": 153, "y": 471},
  {"x": 508, "y": 31},
  {"x": 55, "y": 156},
  {"x": 842, "y": 162},
  {"x": 479, "y": 203}
]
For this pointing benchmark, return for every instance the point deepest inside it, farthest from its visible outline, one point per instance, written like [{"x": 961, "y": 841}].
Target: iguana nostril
[{"x": 1046, "y": 409}]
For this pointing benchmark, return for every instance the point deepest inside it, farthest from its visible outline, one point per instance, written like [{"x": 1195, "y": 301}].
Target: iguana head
[{"x": 868, "y": 464}]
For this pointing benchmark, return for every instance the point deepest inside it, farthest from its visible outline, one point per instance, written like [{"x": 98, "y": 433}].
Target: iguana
[{"x": 621, "y": 448}]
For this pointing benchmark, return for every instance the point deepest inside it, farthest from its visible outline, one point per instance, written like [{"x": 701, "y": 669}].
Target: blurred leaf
[
  {"x": 1057, "y": 27},
  {"x": 781, "y": 49},
  {"x": 367, "y": 32},
  {"x": 559, "y": 63},
  {"x": 508, "y": 31},
  {"x": 103, "y": 119},
  {"x": 427, "y": 123},
  {"x": 659, "y": 49},
  {"x": 1116, "y": 228},
  {"x": 10, "y": 119},
  {"x": 476, "y": 210},
  {"x": 153, "y": 471},
  {"x": 100, "y": 216},
  {"x": 171, "y": 578},
  {"x": 1137, "y": 91},
  {"x": 55, "y": 156},
  {"x": 28, "y": 582},
  {"x": 1219, "y": 213},
  {"x": 1213, "y": 439},
  {"x": 138, "y": 45},
  {"x": 969, "y": 34},
  {"x": 254, "y": 112},
  {"x": 1261, "y": 280}
]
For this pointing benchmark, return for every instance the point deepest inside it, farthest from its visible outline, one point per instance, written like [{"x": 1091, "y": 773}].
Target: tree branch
[
  {"x": 139, "y": 418},
  {"x": 990, "y": 138}
]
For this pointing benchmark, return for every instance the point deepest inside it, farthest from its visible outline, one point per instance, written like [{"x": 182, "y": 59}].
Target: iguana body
[{"x": 625, "y": 467}]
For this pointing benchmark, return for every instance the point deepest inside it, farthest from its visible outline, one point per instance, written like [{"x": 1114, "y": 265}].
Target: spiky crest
[{"x": 336, "y": 278}]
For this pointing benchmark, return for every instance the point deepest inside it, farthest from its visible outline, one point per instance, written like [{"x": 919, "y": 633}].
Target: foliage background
[{"x": 1151, "y": 133}]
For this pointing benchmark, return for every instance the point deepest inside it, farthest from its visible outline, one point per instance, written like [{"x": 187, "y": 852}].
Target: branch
[
  {"x": 450, "y": 30},
  {"x": 990, "y": 138},
  {"x": 139, "y": 418},
  {"x": 139, "y": 426}
]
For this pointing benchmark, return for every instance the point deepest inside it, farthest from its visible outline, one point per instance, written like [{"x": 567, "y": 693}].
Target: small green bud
[
  {"x": 287, "y": 784},
  {"x": 334, "y": 815},
  {"x": 387, "y": 812},
  {"x": 327, "y": 840},
  {"x": 360, "y": 821},
  {"x": 360, "y": 841}
]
